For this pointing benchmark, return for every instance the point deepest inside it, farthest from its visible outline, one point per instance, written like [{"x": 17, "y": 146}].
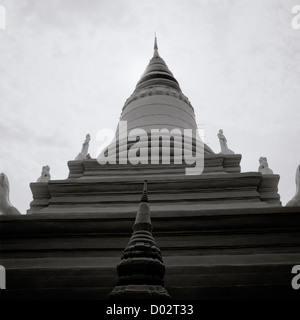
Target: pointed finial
[
  {"x": 155, "y": 47},
  {"x": 143, "y": 213},
  {"x": 144, "y": 196}
]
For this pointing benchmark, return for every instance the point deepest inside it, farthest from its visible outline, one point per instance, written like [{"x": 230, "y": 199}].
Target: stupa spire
[
  {"x": 144, "y": 196},
  {"x": 143, "y": 219},
  {"x": 141, "y": 270},
  {"x": 157, "y": 73},
  {"x": 156, "y": 54}
]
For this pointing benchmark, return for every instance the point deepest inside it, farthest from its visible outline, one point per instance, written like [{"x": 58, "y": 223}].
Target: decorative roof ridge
[{"x": 157, "y": 90}]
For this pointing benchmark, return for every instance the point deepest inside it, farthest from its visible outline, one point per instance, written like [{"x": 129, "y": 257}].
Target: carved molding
[{"x": 157, "y": 90}]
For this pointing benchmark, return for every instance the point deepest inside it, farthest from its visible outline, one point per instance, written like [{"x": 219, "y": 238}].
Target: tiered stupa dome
[{"x": 158, "y": 103}]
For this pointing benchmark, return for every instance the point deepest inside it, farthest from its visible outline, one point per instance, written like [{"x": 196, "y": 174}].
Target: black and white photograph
[{"x": 149, "y": 152}]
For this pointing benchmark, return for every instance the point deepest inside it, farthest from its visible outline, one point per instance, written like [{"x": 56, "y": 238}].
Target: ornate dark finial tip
[{"x": 144, "y": 196}]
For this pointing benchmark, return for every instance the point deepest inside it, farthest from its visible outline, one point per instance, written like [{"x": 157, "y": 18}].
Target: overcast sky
[{"x": 67, "y": 67}]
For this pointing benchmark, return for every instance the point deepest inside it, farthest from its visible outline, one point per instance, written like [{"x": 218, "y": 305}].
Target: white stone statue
[
  {"x": 223, "y": 143},
  {"x": 295, "y": 201},
  {"x": 6, "y": 208},
  {"x": 84, "y": 151},
  {"x": 45, "y": 175},
  {"x": 264, "y": 166}
]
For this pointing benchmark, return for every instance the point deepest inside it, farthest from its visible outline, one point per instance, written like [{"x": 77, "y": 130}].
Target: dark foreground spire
[{"x": 141, "y": 270}]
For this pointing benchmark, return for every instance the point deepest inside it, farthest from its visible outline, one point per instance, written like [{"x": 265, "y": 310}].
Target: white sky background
[{"x": 67, "y": 67}]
